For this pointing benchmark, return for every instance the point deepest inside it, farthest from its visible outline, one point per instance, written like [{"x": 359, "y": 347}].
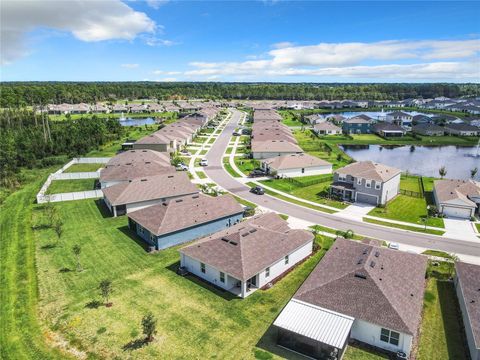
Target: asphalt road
[{"x": 216, "y": 172}]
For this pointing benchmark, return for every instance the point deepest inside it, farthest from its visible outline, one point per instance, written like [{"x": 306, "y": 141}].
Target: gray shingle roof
[{"x": 369, "y": 170}]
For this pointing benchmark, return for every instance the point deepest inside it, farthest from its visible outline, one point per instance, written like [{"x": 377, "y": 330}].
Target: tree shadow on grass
[
  {"x": 48, "y": 246},
  {"x": 93, "y": 304},
  {"x": 206, "y": 285},
  {"x": 65, "y": 270},
  {"x": 135, "y": 344},
  {"x": 132, "y": 235},
  {"x": 103, "y": 209}
]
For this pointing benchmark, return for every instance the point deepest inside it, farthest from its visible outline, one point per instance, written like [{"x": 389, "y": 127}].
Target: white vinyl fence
[{"x": 60, "y": 175}]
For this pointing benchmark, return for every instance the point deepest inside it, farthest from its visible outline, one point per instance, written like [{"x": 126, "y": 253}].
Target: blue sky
[{"x": 408, "y": 41}]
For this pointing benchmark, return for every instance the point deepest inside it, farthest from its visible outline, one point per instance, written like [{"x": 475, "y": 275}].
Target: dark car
[
  {"x": 256, "y": 173},
  {"x": 182, "y": 271},
  {"x": 257, "y": 190}
]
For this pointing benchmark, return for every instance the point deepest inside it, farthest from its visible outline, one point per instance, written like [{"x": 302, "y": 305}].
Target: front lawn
[
  {"x": 246, "y": 165},
  {"x": 408, "y": 209},
  {"x": 404, "y": 227},
  {"x": 83, "y": 168},
  {"x": 229, "y": 169},
  {"x": 65, "y": 186}
]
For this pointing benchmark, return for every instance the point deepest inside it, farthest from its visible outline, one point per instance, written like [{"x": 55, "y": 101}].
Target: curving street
[{"x": 216, "y": 172}]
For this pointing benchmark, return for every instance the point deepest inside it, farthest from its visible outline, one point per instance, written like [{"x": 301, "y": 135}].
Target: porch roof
[{"x": 342, "y": 186}]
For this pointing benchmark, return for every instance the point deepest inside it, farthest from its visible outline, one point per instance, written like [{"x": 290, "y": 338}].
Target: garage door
[
  {"x": 366, "y": 198},
  {"x": 456, "y": 212}
]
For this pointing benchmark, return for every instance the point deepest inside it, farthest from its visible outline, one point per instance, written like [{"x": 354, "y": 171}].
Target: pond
[
  {"x": 136, "y": 121},
  {"x": 420, "y": 160}
]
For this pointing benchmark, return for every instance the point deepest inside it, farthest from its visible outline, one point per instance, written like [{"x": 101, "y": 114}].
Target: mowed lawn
[
  {"x": 194, "y": 319},
  {"x": 83, "y": 168},
  {"x": 65, "y": 186},
  {"x": 441, "y": 331}
]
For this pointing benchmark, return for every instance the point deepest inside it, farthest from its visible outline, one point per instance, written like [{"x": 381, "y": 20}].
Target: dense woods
[
  {"x": 18, "y": 94},
  {"x": 30, "y": 140}
]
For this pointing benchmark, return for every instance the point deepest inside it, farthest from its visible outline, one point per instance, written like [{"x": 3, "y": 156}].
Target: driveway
[
  {"x": 460, "y": 229},
  {"x": 216, "y": 172},
  {"x": 355, "y": 211}
]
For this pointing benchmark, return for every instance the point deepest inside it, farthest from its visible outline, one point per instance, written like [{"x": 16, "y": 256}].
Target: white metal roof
[{"x": 326, "y": 326}]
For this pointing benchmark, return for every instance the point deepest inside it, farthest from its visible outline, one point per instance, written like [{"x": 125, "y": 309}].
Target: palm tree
[
  {"x": 473, "y": 172},
  {"x": 77, "y": 250},
  {"x": 149, "y": 326},
  {"x": 442, "y": 172}
]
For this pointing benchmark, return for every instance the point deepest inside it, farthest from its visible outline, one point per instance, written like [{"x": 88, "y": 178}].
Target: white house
[
  {"x": 327, "y": 128},
  {"x": 457, "y": 198},
  {"x": 296, "y": 165},
  {"x": 358, "y": 290},
  {"x": 270, "y": 148},
  {"x": 249, "y": 255}
]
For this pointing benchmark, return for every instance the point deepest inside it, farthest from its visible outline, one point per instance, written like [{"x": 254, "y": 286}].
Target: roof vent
[
  {"x": 377, "y": 253},
  {"x": 252, "y": 231},
  {"x": 225, "y": 239},
  {"x": 365, "y": 251},
  {"x": 233, "y": 243},
  {"x": 359, "y": 261},
  {"x": 372, "y": 264},
  {"x": 360, "y": 275},
  {"x": 243, "y": 235},
  {"x": 179, "y": 200},
  {"x": 170, "y": 176},
  {"x": 143, "y": 180}
]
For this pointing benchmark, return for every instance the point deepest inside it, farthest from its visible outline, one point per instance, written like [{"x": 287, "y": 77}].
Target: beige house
[
  {"x": 327, "y": 128},
  {"x": 457, "y": 198},
  {"x": 296, "y": 165}
]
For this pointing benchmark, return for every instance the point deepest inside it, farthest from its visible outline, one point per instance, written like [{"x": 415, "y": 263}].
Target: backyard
[
  {"x": 83, "y": 168},
  {"x": 65, "y": 186}
]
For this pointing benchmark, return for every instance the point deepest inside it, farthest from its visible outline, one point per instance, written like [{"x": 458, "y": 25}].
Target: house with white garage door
[
  {"x": 249, "y": 255},
  {"x": 296, "y": 165},
  {"x": 366, "y": 182},
  {"x": 457, "y": 198},
  {"x": 360, "y": 291}
]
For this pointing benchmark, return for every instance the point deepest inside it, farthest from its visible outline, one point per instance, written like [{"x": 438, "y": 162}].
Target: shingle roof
[
  {"x": 374, "y": 284},
  {"x": 142, "y": 155},
  {"x": 134, "y": 170},
  {"x": 427, "y": 127},
  {"x": 369, "y": 170},
  {"x": 275, "y": 146},
  {"x": 398, "y": 113},
  {"x": 294, "y": 161},
  {"x": 450, "y": 189},
  {"x": 469, "y": 279},
  {"x": 185, "y": 212},
  {"x": 326, "y": 126},
  {"x": 245, "y": 249},
  {"x": 357, "y": 120},
  {"x": 385, "y": 126},
  {"x": 462, "y": 127},
  {"x": 150, "y": 188}
]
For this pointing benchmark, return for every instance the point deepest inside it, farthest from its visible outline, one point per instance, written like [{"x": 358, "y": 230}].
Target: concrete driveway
[
  {"x": 355, "y": 211},
  {"x": 460, "y": 229}
]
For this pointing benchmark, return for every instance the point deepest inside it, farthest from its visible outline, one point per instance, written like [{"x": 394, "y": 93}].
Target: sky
[{"x": 274, "y": 41}]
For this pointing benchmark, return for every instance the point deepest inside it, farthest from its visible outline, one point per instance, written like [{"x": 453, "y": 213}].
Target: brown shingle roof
[
  {"x": 275, "y": 146},
  {"x": 447, "y": 190},
  {"x": 374, "y": 284},
  {"x": 326, "y": 126},
  {"x": 185, "y": 212},
  {"x": 247, "y": 248},
  {"x": 134, "y": 170},
  {"x": 369, "y": 170},
  {"x": 134, "y": 156},
  {"x": 150, "y": 188},
  {"x": 469, "y": 279},
  {"x": 294, "y": 161}
]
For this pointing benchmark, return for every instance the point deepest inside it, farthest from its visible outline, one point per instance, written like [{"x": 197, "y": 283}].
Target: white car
[
  {"x": 182, "y": 167},
  {"x": 394, "y": 246},
  {"x": 204, "y": 162}
]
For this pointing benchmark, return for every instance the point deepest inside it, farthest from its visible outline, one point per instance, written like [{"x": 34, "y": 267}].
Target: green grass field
[
  {"x": 201, "y": 174},
  {"x": 410, "y": 183},
  {"x": 229, "y": 168},
  {"x": 83, "y": 168},
  {"x": 404, "y": 227},
  {"x": 65, "y": 186},
  {"x": 246, "y": 165}
]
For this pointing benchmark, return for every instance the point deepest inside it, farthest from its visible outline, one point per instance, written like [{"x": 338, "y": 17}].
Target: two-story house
[
  {"x": 357, "y": 125},
  {"x": 400, "y": 118},
  {"x": 366, "y": 182}
]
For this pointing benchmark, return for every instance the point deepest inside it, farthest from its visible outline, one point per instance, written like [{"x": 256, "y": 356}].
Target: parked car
[
  {"x": 204, "y": 162},
  {"x": 394, "y": 246},
  {"x": 257, "y": 190},
  {"x": 235, "y": 133},
  {"x": 182, "y": 167},
  {"x": 256, "y": 173},
  {"x": 185, "y": 152}
]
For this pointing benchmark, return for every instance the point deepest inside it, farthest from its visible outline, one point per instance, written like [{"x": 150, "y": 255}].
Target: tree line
[
  {"x": 21, "y": 94},
  {"x": 29, "y": 140}
]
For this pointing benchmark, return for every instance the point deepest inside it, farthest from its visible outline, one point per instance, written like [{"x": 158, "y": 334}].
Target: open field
[
  {"x": 65, "y": 186},
  {"x": 83, "y": 168}
]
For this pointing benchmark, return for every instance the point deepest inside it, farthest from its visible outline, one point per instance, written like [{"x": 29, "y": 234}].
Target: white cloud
[
  {"x": 87, "y": 20},
  {"x": 161, "y": 72},
  {"x": 428, "y": 59},
  {"x": 281, "y": 45},
  {"x": 130, "y": 66},
  {"x": 154, "y": 41},
  {"x": 155, "y": 4}
]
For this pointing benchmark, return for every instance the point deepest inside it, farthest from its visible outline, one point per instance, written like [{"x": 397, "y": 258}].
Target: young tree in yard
[
  {"x": 339, "y": 157},
  {"x": 473, "y": 172},
  {"x": 77, "y": 250},
  {"x": 58, "y": 227},
  {"x": 105, "y": 291},
  {"x": 149, "y": 326},
  {"x": 442, "y": 172},
  {"x": 51, "y": 213}
]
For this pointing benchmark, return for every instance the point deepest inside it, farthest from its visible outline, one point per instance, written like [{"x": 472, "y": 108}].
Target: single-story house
[
  {"x": 266, "y": 114},
  {"x": 315, "y": 119},
  {"x": 360, "y": 291},
  {"x": 462, "y": 129},
  {"x": 386, "y": 129},
  {"x": 337, "y": 118},
  {"x": 467, "y": 285},
  {"x": 327, "y": 128},
  {"x": 180, "y": 220},
  {"x": 296, "y": 165},
  {"x": 421, "y": 119},
  {"x": 428, "y": 129},
  {"x": 249, "y": 255},
  {"x": 139, "y": 193},
  {"x": 357, "y": 125},
  {"x": 457, "y": 198},
  {"x": 116, "y": 174},
  {"x": 142, "y": 156},
  {"x": 271, "y": 148},
  {"x": 119, "y": 108},
  {"x": 366, "y": 182}
]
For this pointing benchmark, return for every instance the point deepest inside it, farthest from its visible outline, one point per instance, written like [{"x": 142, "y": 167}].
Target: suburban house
[
  {"x": 142, "y": 156},
  {"x": 271, "y": 148},
  {"x": 421, "y": 119},
  {"x": 357, "y": 125},
  {"x": 139, "y": 193},
  {"x": 184, "y": 219},
  {"x": 296, "y": 165},
  {"x": 467, "y": 285},
  {"x": 457, "y": 198},
  {"x": 315, "y": 119},
  {"x": 119, "y": 108},
  {"x": 326, "y": 128},
  {"x": 337, "y": 118},
  {"x": 462, "y": 129},
  {"x": 116, "y": 174},
  {"x": 386, "y": 129},
  {"x": 428, "y": 129},
  {"x": 400, "y": 118},
  {"x": 360, "y": 291},
  {"x": 249, "y": 255},
  {"x": 367, "y": 182}
]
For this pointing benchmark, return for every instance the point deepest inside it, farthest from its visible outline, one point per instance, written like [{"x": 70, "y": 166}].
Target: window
[
  {"x": 267, "y": 272},
  {"x": 389, "y": 336},
  {"x": 359, "y": 181},
  {"x": 152, "y": 237},
  {"x": 202, "y": 267},
  {"x": 342, "y": 177},
  {"x": 368, "y": 183},
  {"x": 140, "y": 229},
  {"x": 286, "y": 260},
  {"x": 222, "y": 277},
  {"x": 303, "y": 170},
  {"x": 377, "y": 185}
]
